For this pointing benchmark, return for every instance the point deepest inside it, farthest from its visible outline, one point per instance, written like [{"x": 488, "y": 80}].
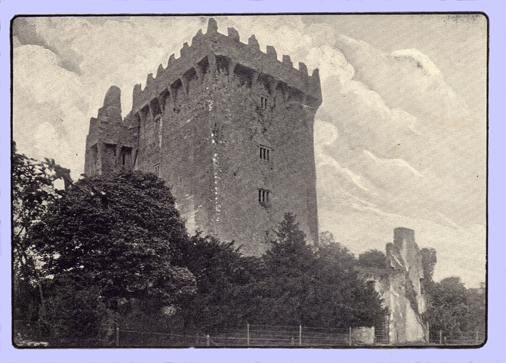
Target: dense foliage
[
  {"x": 314, "y": 286},
  {"x": 454, "y": 309},
  {"x": 374, "y": 259},
  {"x": 32, "y": 192},
  {"x": 114, "y": 250},
  {"x": 106, "y": 245},
  {"x": 224, "y": 277},
  {"x": 292, "y": 284},
  {"x": 121, "y": 233}
]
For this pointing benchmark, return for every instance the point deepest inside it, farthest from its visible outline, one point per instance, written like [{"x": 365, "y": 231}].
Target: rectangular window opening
[
  {"x": 265, "y": 153},
  {"x": 264, "y": 196}
]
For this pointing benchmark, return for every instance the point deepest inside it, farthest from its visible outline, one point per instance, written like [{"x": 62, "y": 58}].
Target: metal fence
[
  {"x": 460, "y": 338},
  {"x": 31, "y": 334},
  {"x": 248, "y": 336},
  {"x": 283, "y": 336}
]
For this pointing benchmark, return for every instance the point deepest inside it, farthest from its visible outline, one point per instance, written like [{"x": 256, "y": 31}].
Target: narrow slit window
[
  {"x": 126, "y": 157},
  {"x": 264, "y": 102},
  {"x": 155, "y": 108}
]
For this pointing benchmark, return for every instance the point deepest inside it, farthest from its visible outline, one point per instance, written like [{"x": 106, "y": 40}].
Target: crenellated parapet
[{"x": 214, "y": 51}]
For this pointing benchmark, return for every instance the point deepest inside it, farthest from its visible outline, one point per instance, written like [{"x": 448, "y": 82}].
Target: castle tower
[{"x": 230, "y": 129}]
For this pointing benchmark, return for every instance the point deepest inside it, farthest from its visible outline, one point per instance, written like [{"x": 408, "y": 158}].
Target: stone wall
[
  {"x": 401, "y": 287},
  {"x": 362, "y": 336}
]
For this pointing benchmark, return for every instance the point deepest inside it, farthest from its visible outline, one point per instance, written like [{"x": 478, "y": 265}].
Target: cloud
[
  {"x": 48, "y": 115},
  {"x": 406, "y": 79},
  {"x": 325, "y": 133},
  {"x": 401, "y": 129}
]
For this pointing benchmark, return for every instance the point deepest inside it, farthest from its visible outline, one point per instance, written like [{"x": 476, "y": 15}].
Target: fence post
[
  {"x": 208, "y": 340},
  {"x": 247, "y": 334},
  {"x": 117, "y": 334},
  {"x": 300, "y": 335},
  {"x": 477, "y": 337},
  {"x": 349, "y": 336},
  {"x": 440, "y": 337}
]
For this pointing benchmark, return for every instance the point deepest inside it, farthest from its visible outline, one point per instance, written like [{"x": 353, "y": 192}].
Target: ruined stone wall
[
  {"x": 109, "y": 144},
  {"x": 401, "y": 287}
]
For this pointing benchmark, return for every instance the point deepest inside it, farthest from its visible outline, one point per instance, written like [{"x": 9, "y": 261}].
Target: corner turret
[
  {"x": 109, "y": 144},
  {"x": 111, "y": 109}
]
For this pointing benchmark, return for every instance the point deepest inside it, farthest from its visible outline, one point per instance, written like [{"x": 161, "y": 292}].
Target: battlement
[{"x": 212, "y": 51}]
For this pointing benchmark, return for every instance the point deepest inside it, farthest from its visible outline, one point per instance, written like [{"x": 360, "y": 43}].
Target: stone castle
[{"x": 230, "y": 128}]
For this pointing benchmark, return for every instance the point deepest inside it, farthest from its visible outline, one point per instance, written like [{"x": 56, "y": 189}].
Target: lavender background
[{"x": 493, "y": 350}]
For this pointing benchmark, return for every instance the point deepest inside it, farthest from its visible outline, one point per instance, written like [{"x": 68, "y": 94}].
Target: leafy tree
[
  {"x": 288, "y": 279},
  {"x": 326, "y": 238},
  {"x": 313, "y": 286},
  {"x": 289, "y": 253},
  {"x": 339, "y": 271},
  {"x": 76, "y": 314},
  {"x": 455, "y": 309},
  {"x": 118, "y": 235},
  {"x": 32, "y": 192},
  {"x": 429, "y": 260},
  {"x": 372, "y": 259},
  {"x": 223, "y": 300},
  {"x": 476, "y": 300}
]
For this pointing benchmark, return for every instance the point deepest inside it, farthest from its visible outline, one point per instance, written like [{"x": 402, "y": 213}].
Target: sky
[{"x": 400, "y": 138}]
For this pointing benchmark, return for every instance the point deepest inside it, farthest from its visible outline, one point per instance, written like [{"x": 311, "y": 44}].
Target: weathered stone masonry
[
  {"x": 402, "y": 288},
  {"x": 230, "y": 128}
]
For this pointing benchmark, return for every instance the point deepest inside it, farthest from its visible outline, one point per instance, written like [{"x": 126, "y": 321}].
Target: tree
[
  {"x": 224, "y": 300},
  {"x": 32, "y": 192},
  {"x": 429, "y": 260},
  {"x": 289, "y": 252},
  {"x": 355, "y": 300},
  {"x": 372, "y": 259},
  {"x": 119, "y": 235},
  {"x": 455, "y": 309},
  {"x": 313, "y": 286}
]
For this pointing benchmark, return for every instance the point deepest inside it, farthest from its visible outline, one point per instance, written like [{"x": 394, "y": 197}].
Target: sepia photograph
[{"x": 312, "y": 180}]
